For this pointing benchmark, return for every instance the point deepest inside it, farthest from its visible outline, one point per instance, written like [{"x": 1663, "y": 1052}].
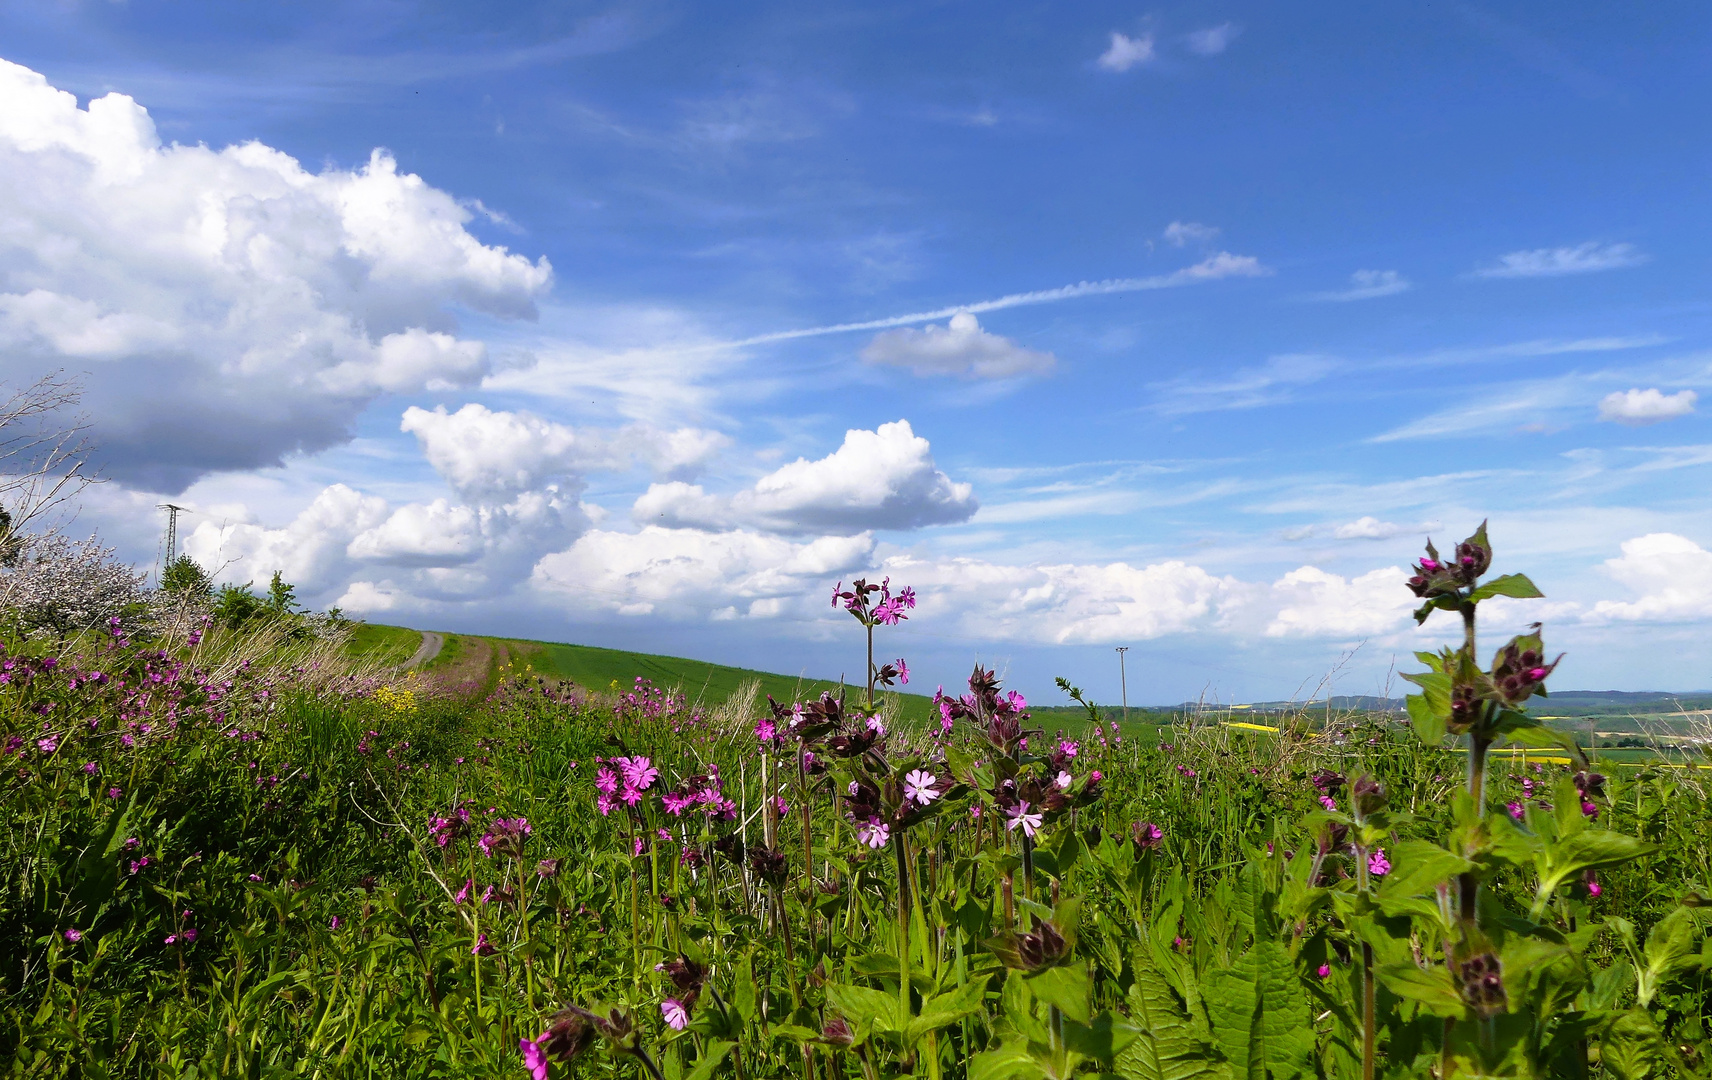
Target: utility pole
[
  {"x": 172, "y": 513},
  {"x": 1123, "y": 680}
]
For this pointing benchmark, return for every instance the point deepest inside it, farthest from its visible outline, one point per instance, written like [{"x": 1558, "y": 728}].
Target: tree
[
  {"x": 185, "y": 577},
  {"x": 281, "y": 597},
  {"x": 235, "y": 605}
]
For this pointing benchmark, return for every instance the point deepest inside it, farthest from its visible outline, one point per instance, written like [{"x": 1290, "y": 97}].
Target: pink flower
[
  {"x": 1377, "y": 864},
  {"x": 919, "y": 786},
  {"x": 90, "y": 768},
  {"x": 1328, "y": 802},
  {"x": 606, "y": 781},
  {"x": 74, "y": 935},
  {"x": 462, "y": 896},
  {"x": 1589, "y": 809},
  {"x": 171, "y": 939},
  {"x": 764, "y": 729},
  {"x": 1068, "y": 748},
  {"x": 780, "y": 805},
  {"x": 903, "y": 671},
  {"x": 906, "y": 597},
  {"x": 1095, "y": 777},
  {"x": 48, "y": 745},
  {"x": 1593, "y": 887},
  {"x": 875, "y": 833},
  {"x": 638, "y": 847},
  {"x": 975, "y": 810},
  {"x": 1324, "y": 972},
  {"x": 1064, "y": 781},
  {"x": 876, "y": 726},
  {"x": 674, "y": 1013},
  {"x": 639, "y": 773},
  {"x": 1516, "y": 809},
  {"x": 534, "y": 1058},
  {"x": 114, "y": 793},
  {"x": 481, "y": 947},
  {"x": 1020, "y": 818}
]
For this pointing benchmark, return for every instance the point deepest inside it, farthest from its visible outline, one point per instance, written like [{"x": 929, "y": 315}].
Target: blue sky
[{"x": 1200, "y": 317}]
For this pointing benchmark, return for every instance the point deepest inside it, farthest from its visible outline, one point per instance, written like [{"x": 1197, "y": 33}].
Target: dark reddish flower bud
[
  {"x": 837, "y": 1033},
  {"x": 730, "y": 846},
  {"x": 1519, "y": 671},
  {"x": 768, "y": 865},
  {"x": 1480, "y": 979},
  {"x": 1590, "y": 784},
  {"x": 569, "y": 1034},
  {"x": 547, "y": 868},
  {"x": 1369, "y": 796},
  {"x": 1333, "y": 836},
  {"x": 1041, "y": 948},
  {"x": 1327, "y": 782},
  {"x": 1147, "y": 836}
]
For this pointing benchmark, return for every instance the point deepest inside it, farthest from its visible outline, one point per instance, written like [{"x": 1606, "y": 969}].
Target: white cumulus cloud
[
  {"x": 1315, "y": 603},
  {"x": 959, "y": 348},
  {"x": 1672, "y": 575},
  {"x": 881, "y": 479},
  {"x": 1555, "y": 262},
  {"x": 486, "y": 453},
  {"x": 231, "y": 306},
  {"x": 1637, "y": 407},
  {"x": 1126, "y": 52}
]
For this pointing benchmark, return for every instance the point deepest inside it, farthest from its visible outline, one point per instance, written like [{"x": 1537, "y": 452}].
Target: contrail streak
[{"x": 1212, "y": 268}]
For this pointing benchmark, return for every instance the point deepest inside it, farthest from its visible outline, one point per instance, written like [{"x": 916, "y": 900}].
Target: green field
[{"x": 603, "y": 670}]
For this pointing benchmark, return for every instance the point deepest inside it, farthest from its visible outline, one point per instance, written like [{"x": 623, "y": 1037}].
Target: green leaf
[
  {"x": 1260, "y": 1015},
  {"x": 743, "y": 993},
  {"x": 1429, "y": 725},
  {"x": 943, "y": 1010},
  {"x": 1418, "y": 867},
  {"x": 1009, "y": 1061},
  {"x": 1589, "y": 850},
  {"x": 1103, "y": 1040},
  {"x": 1515, "y": 586},
  {"x": 1067, "y": 987},
  {"x": 1166, "y": 1047},
  {"x": 711, "y": 1059},
  {"x": 861, "y": 1005},
  {"x": 1432, "y": 989}
]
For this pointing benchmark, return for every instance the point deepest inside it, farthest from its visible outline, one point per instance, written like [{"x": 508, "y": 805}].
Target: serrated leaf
[
  {"x": 1166, "y": 1046},
  {"x": 1515, "y": 586},
  {"x": 1260, "y": 1015}
]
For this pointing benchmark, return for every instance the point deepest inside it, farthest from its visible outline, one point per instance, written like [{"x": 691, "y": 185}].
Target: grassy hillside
[{"x": 474, "y": 661}]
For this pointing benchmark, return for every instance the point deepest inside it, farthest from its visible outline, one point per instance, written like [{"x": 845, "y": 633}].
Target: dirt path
[{"x": 428, "y": 650}]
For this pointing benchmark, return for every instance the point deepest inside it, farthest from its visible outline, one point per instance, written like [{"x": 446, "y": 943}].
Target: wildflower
[
  {"x": 90, "y": 768},
  {"x": 139, "y": 864},
  {"x": 481, "y": 947},
  {"x": 1095, "y": 777},
  {"x": 1021, "y": 818},
  {"x": 975, "y": 811},
  {"x": 462, "y": 896},
  {"x": 1147, "y": 835},
  {"x": 48, "y": 745},
  {"x": 765, "y": 730},
  {"x": 639, "y": 773},
  {"x": 74, "y": 935},
  {"x": 171, "y": 939},
  {"x": 1589, "y": 809},
  {"x": 567, "y": 1037},
  {"x": 1481, "y": 981},
  {"x": 114, "y": 793},
  {"x": 605, "y": 780},
  {"x": 637, "y": 847},
  {"x": 1516, "y": 810},
  {"x": 903, "y": 671},
  {"x": 1064, "y": 780},
  {"x": 874, "y": 832},
  {"x": 547, "y": 868},
  {"x": 255, "y": 877},
  {"x": 604, "y": 803},
  {"x": 876, "y": 726},
  {"x": 1328, "y": 802},
  {"x": 837, "y": 1033},
  {"x": 1324, "y": 971},
  {"x": 1377, "y": 864},
  {"x": 673, "y": 1012},
  {"x": 1068, "y": 748},
  {"x": 1593, "y": 887},
  {"x": 919, "y": 786}
]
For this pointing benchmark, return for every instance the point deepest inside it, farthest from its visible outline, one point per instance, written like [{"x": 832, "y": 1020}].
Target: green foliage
[
  {"x": 185, "y": 576},
  {"x": 364, "y": 902}
]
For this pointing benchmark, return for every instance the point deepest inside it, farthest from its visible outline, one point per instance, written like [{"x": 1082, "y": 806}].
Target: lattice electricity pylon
[{"x": 172, "y": 513}]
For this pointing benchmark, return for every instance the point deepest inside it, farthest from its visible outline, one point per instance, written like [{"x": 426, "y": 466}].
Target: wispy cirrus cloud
[
  {"x": 1271, "y": 383},
  {"x": 1556, "y": 262},
  {"x": 1368, "y": 285}
]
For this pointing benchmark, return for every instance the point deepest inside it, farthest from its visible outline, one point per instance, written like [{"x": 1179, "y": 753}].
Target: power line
[{"x": 172, "y": 513}]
